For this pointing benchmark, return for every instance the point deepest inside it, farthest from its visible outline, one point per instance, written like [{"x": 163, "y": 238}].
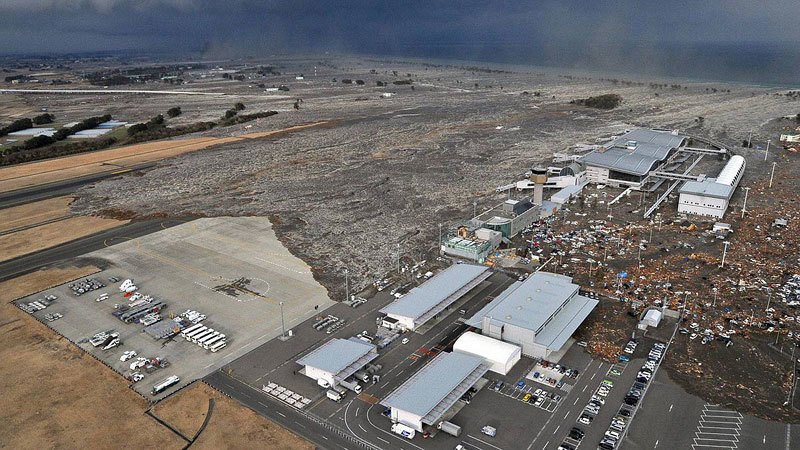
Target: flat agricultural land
[
  {"x": 51, "y": 234},
  {"x": 57, "y": 396},
  {"x": 59, "y": 169},
  {"x": 194, "y": 266},
  {"x": 230, "y": 426},
  {"x": 34, "y": 213}
]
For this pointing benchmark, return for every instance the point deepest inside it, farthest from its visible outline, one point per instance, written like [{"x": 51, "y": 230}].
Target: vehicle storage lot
[{"x": 181, "y": 266}]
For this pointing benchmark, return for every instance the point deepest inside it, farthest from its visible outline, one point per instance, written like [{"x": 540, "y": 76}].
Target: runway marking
[
  {"x": 324, "y": 437},
  {"x": 263, "y": 404},
  {"x": 281, "y": 414},
  {"x": 381, "y": 439},
  {"x": 300, "y": 424},
  {"x": 656, "y": 444},
  {"x": 362, "y": 428},
  {"x": 723, "y": 429}
]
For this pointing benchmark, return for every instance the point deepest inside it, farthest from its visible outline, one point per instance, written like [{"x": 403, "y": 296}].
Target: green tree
[{"x": 238, "y": 106}]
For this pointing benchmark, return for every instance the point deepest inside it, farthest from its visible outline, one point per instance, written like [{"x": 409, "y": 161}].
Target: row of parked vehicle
[
  {"x": 596, "y": 402},
  {"x": 632, "y": 397}
]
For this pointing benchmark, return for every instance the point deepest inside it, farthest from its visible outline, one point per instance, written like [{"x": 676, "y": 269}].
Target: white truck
[
  {"x": 188, "y": 330},
  {"x": 195, "y": 332},
  {"x": 333, "y": 395},
  {"x": 449, "y": 428},
  {"x": 403, "y": 430},
  {"x": 218, "y": 346},
  {"x": 352, "y": 385},
  {"x": 210, "y": 343}
]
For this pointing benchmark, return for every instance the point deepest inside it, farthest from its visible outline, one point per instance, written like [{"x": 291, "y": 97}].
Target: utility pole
[
  {"x": 640, "y": 254},
  {"x": 715, "y": 298},
  {"x": 768, "y": 299},
  {"x": 744, "y": 206},
  {"x": 398, "y": 258},
  {"x": 724, "y": 252},
  {"x": 283, "y": 326},
  {"x": 766, "y": 152},
  {"x": 650, "y": 240},
  {"x": 346, "y": 286},
  {"x": 474, "y": 209},
  {"x": 749, "y": 136},
  {"x": 772, "y": 174}
]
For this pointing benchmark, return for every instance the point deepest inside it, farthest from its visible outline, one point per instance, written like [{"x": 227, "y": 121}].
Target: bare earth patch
[
  {"x": 33, "y": 213},
  {"x": 52, "y": 234},
  {"x": 231, "y": 425},
  {"x": 55, "y": 395}
]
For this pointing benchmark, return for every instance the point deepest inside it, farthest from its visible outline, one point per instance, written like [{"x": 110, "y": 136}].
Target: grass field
[{"x": 34, "y": 213}]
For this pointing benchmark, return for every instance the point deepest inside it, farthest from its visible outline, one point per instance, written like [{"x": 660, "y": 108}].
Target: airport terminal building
[
  {"x": 711, "y": 196},
  {"x": 539, "y": 314},
  {"x": 627, "y": 160}
]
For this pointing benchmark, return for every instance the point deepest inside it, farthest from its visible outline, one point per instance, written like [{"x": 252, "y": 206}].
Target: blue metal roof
[
  {"x": 436, "y": 387},
  {"x": 422, "y": 299},
  {"x": 337, "y": 355},
  {"x": 707, "y": 188}
]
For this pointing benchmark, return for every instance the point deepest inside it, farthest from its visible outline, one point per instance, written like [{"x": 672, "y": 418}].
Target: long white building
[{"x": 711, "y": 196}]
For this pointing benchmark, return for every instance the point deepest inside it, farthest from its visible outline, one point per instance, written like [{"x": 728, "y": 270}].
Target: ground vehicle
[
  {"x": 208, "y": 337},
  {"x": 165, "y": 383},
  {"x": 576, "y": 433},
  {"x": 101, "y": 298},
  {"x": 404, "y": 341},
  {"x": 191, "y": 329},
  {"x": 403, "y": 430},
  {"x": 624, "y": 358},
  {"x": 189, "y": 335},
  {"x": 565, "y": 446},
  {"x": 352, "y": 385},
  {"x": 582, "y": 344},
  {"x": 323, "y": 383},
  {"x": 449, "y": 428},
  {"x": 489, "y": 431},
  {"x": 499, "y": 385},
  {"x": 333, "y": 395},
  {"x": 136, "y": 377},
  {"x": 585, "y": 419},
  {"x": 527, "y": 397},
  {"x": 210, "y": 343},
  {"x": 218, "y": 346},
  {"x": 608, "y": 444},
  {"x": 362, "y": 375},
  {"x": 608, "y": 383},
  {"x": 539, "y": 401},
  {"x": 127, "y": 355},
  {"x": 612, "y": 434},
  {"x": 199, "y": 337}
]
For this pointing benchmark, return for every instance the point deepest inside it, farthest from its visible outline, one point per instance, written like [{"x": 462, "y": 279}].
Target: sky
[{"x": 740, "y": 40}]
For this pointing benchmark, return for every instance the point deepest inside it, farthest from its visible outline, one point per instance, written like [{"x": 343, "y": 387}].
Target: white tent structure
[{"x": 500, "y": 356}]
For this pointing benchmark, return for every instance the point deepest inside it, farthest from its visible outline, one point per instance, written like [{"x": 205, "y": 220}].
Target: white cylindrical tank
[{"x": 731, "y": 170}]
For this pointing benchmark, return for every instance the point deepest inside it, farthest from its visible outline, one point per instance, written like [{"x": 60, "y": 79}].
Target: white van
[
  {"x": 323, "y": 383},
  {"x": 333, "y": 395}
]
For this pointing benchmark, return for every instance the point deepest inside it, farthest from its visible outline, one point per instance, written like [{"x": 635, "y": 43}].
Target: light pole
[
  {"x": 715, "y": 298},
  {"x": 474, "y": 209},
  {"x": 724, "y": 252},
  {"x": 283, "y": 326},
  {"x": 744, "y": 205},
  {"x": 346, "y": 286},
  {"x": 440, "y": 238},
  {"x": 766, "y": 152},
  {"x": 768, "y": 299},
  {"x": 749, "y": 136},
  {"x": 398, "y": 258},
  {"x": 772, "y": 174},
  {"x": 650, "y": 240}
]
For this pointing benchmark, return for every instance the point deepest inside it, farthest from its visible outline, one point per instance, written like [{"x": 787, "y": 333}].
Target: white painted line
[
  {"x": 656, "y": 444},
  {"x": 281, "y": 414},
  {"x": 326, "y": 437},
  {"x": 381, "y": 439},
  {"x": 483, "y": 442},
  {"x": 362, "y": 428},
  {"x": 556, "y": 430},
  {"x": 576, "y": 401},
  {"x": 545, "y": 445},
  {"x": 300, "y": 424}
]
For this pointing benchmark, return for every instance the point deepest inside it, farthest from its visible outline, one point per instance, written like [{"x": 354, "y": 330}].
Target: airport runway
[
  {"x": 64, "y": 187},
  {"x": 28, "y": 263}
]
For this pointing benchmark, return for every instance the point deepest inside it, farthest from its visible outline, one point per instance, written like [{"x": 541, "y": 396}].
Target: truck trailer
[
  {"x": 403, "y": 430},
  {"x": 195, "y": 332},
  {"x": 449, "y": 428},
  {"x": 165, "y": 383}
]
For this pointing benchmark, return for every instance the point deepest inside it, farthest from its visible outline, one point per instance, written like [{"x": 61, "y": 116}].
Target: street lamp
[
  {"x": 715, "y": 298},
  {"x": 768, "y": 299},
  {"x": 474, "y": 209},
  {"x": 724, "y": 252},
  {"x": 744, "y": 205},
  {"x": 766, "y": 152},
  {"x": 440, "y": 237},
  {"x": 346, "y": 286}
]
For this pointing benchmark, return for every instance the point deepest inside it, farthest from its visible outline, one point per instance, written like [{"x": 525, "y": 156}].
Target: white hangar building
[
  {"x": 337, "y": 359},
  {"x": 434, "y": 389},
  {"x": 711, "y": 196},
  {"x": 539, "y": 314},
  {"x": 500, "y": 356},
  {"x": 434, "y": 296}
]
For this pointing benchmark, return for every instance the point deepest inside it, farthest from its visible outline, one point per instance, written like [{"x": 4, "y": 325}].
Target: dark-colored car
[{"x": 576, "y": 433}]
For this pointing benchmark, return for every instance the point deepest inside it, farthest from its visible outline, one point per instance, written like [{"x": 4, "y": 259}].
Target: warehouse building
[
  {"x": 627, "y": 160},
  {"x": 711, "y": 196},
  {"x": 431, "y": 298},
  {"x": 337, "y": 359},
  {"x": 434, "y": 389},
  {"x": 540, "y": 314},
  {"x": 500, "y": 356}
]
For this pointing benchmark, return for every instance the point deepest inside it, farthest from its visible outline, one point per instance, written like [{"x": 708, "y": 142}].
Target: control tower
[{"x": 539, "y": 178}]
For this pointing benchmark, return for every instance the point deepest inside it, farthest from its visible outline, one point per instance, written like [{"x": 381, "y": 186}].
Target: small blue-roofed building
[
  {"x": 337, "y": 359},
  {"x": 539, "y": 314},
  {"x": 434, "y": 389},
  {"x": 434, "y": 296}
]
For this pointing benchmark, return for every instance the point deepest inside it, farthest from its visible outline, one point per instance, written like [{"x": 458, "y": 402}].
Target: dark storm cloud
[{"x": 643, "y": 35}]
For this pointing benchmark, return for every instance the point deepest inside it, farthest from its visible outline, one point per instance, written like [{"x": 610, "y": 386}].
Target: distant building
[
  {"x": 627, "y": 160},
  {"x": 711, "y": 196},
  {"x": 540, "y": 314},
  {"x": 476, "y": 247},
  {"x": 509, "y": 217},
  {"x": 500, "y": 356},
  {"x": 337, "y": 359}
]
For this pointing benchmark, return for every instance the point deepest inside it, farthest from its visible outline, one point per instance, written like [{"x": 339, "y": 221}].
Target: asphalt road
[
  {"x": 290, "y": 418},
  {"x": 59, "y": 188},
  {"x": 28, "y": 263}
]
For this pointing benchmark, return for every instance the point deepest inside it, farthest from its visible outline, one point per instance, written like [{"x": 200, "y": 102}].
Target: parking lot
[{"x": 232, "y": 270}]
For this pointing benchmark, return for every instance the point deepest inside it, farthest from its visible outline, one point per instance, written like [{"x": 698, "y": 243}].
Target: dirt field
[
  {"x": 58, "y": 169},
  {"x": 52, "y": 234},
  {"x": 56, "y": 396},
  {"x": 231, "y": 425},
  {"x": 33, "y": 213}
]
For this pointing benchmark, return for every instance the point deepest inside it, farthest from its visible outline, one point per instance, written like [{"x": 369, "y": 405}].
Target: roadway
[
  {"x": 33, "y": 261},
  {"x": 63, "y": 187}
]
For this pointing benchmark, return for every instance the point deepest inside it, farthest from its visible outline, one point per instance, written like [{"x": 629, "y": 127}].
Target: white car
[
  {"x": 137, "y": 376},
  {"x": 139, "y": 363},
  {"x": 127, "y": 355},
  {"x": 404, "y": 341}
]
